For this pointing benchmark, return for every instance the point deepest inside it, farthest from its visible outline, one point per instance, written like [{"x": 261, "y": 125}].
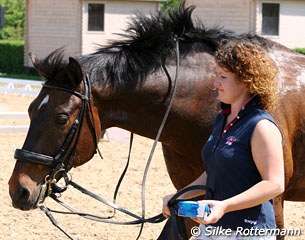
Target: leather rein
[{"x": 60, "y": 168}]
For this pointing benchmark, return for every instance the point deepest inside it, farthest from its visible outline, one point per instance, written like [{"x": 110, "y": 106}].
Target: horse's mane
[{"x": 148, "y": 42}]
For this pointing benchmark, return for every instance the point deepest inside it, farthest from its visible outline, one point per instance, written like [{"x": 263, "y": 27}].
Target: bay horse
[{"x": 130, "y": 89}]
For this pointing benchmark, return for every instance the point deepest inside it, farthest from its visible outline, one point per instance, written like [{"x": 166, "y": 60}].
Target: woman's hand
[
  {"x": 218, "y": 209},
  {"x": 165, "y": 210}
]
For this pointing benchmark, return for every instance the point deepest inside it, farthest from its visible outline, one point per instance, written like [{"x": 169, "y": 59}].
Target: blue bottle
[{"x": 193, "y": 209}]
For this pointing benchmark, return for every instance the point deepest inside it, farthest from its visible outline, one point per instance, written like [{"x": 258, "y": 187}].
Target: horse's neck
[
  {"x": 142, "y": 108},
  {"x": 136, "y": 109}
]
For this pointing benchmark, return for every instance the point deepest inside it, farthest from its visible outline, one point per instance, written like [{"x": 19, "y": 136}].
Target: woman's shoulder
[
  {"x": 266, "y": 131},
  {"x": 259, "y": 115},
  {"x": 258, "y": 119},
  {"x": 266, "y": 126}
]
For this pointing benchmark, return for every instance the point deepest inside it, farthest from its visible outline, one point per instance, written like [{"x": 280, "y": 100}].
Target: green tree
[
  {"x": 14, "y": 14},
  {"x": 169, "y": 4}
]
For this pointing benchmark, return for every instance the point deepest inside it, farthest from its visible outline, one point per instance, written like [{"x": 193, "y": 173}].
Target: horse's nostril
[
  {"x": 20, "y": 196},
  {"x": 24, "y": 194}
]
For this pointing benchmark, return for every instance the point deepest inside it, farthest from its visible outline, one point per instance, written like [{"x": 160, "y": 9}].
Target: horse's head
[{"x": 63, "y": 133}]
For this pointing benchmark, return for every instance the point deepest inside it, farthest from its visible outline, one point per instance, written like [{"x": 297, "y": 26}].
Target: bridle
[
  {"x": 67, "y": 150},
  {"x": 62, "y": 167}
]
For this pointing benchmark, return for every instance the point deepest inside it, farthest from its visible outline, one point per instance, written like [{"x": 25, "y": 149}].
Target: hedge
[
  {"x": 11, "y": 56},
  {"x": 300, "y": 50}
]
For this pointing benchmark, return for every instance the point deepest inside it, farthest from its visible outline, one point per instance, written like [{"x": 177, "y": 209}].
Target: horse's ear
[
  {"x": 34, "y": 61},
  {"x": 74, "y": 72}
]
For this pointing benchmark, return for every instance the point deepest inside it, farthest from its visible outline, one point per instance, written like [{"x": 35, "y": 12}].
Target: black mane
[{"x": 148, "y": 42}]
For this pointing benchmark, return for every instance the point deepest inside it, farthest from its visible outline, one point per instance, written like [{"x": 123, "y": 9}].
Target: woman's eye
[
  {"x": 219, "y": 75},
  {"x": 62, "y": 119}
]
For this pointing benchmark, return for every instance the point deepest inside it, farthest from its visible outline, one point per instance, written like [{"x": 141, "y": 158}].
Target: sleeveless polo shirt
[{"x": 231, "y": 169}]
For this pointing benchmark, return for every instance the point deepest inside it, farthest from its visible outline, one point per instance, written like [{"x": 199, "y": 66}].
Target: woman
[{"x": 243, "y": 157}]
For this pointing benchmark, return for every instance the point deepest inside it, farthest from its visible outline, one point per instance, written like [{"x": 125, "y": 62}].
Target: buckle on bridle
[
  {"x": 50, "y": 187},
  {"x": 46, "y": 189},
  {"x": 67, "y": 179}
]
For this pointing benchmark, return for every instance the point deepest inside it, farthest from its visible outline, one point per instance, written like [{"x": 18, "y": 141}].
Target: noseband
[{"x": 57, "y": 162}]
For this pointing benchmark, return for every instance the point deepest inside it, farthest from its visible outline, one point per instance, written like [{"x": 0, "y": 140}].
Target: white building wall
[
  {"x": 117, "y": 16},
  {"x": 292, "y": 23},
  {"x": 52, "y": 24},
  {"x": 234, "y": 15},
  {"x": 243, "y": 16}
]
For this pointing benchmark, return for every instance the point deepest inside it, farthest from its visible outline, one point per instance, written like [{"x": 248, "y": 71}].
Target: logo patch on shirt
[
  {"x": 250, "y": 221},
  {"x": 231, "y": 140}
]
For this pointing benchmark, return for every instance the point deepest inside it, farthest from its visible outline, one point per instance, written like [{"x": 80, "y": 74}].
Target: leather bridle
[{"x": 67, "y": 150}]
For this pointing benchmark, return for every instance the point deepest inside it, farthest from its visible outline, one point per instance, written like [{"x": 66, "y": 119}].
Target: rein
[
  {"x": 49, "y": 188},
  {"x": 173, "y": 93}
]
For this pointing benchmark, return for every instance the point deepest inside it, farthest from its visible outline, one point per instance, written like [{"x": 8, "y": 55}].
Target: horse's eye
[{"x": 62, "y": 118}]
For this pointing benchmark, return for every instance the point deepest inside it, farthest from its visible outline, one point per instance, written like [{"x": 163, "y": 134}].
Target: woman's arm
[
  {"x": 267, "y": 152},
  {"x": 201, "y": 180}
]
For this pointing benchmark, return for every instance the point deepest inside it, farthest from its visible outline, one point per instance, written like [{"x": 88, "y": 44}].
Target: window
[
  {"x": 96, "y": 17},
  {"x": 271, "y": 16}
]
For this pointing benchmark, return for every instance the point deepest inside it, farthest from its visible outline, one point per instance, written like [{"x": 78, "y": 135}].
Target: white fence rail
[
  {"x": 113, "y": 134},
  {"x": 13, "y": 115},
  {"x": 13, "y": 86},
  {"x": 22, "y": 87}
]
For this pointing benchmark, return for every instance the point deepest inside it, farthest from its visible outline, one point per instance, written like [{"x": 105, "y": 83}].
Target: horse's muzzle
[{"x": 23, "y": 198}]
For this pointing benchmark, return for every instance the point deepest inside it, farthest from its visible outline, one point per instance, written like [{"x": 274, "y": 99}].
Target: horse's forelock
[{"x": 50, "y": 67}]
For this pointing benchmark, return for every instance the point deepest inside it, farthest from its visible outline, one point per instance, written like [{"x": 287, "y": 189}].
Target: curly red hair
[{"x": 252, "y": 66}]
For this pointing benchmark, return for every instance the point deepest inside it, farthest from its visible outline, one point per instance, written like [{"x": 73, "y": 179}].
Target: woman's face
[{"x": 229, "y": 88}]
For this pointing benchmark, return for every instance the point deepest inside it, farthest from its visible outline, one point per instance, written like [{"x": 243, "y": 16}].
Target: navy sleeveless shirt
[{"x": 231, "y": 169}]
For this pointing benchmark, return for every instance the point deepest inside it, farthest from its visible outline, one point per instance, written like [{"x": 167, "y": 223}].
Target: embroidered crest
[{"x": 231, "y": 140}]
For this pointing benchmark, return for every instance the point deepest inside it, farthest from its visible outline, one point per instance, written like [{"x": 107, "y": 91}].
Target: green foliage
[
  {"x": 29, "y": 76},
  {"x": 167, "y": 4},
  {"x": 300, "y": 50},
  {"x": 12, "y": 55},
  {"x": 14, "y": 14}
]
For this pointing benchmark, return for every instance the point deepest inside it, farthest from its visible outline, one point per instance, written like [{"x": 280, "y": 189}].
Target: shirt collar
[
  {"x": 226, "y": 108},
  {"x": 246, "y": 108}
]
